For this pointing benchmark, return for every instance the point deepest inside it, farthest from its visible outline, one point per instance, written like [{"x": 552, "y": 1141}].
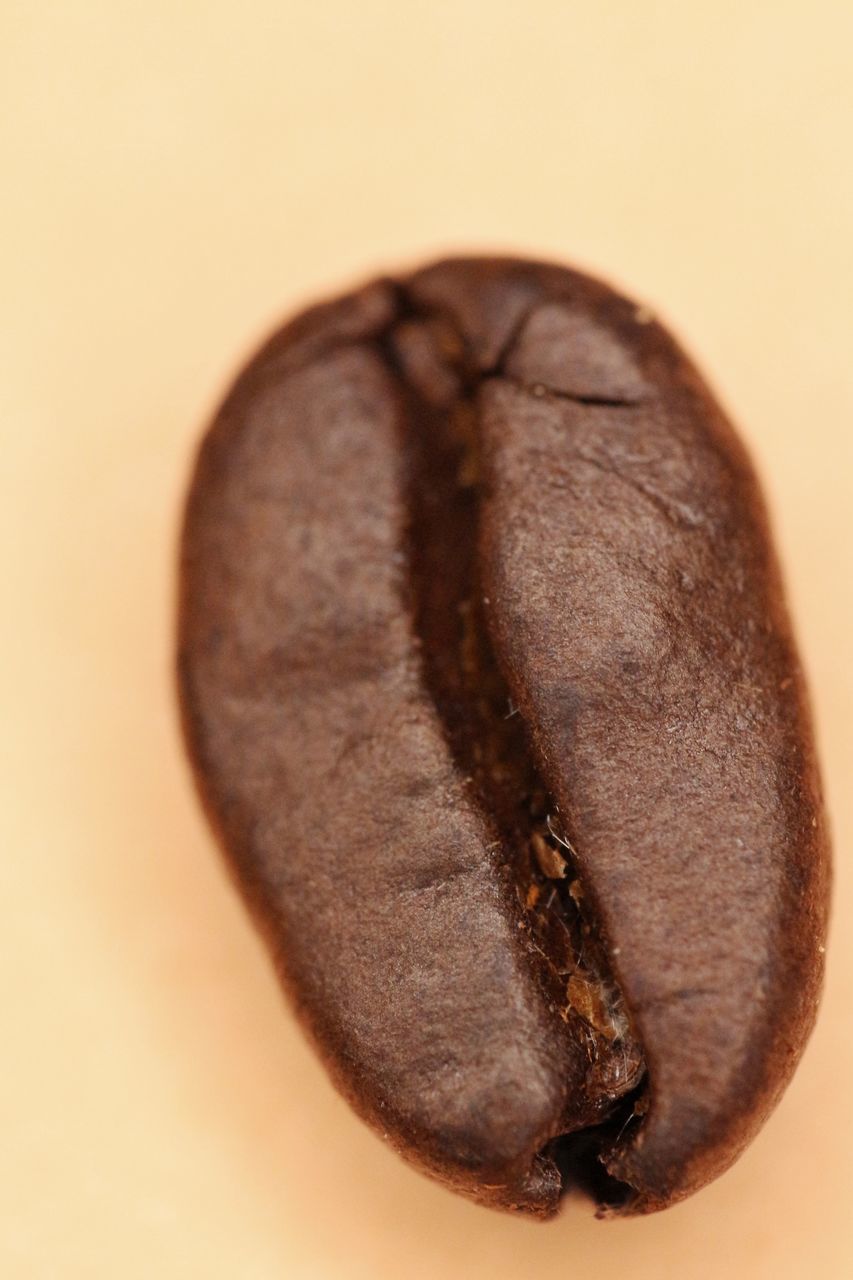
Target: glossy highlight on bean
[{"x": 489, "y": 687}]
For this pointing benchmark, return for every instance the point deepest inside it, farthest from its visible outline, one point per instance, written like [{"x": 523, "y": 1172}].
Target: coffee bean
[{"x": 491, "y": 694}]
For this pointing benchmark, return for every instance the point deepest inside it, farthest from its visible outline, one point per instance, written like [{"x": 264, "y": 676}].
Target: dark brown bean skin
[{"x": 491, "y": 694}]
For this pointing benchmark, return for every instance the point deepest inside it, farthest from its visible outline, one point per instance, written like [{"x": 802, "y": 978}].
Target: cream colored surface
[{"x": 177, "y": 176}]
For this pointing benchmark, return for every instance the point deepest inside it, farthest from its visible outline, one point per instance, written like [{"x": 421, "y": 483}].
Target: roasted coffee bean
[{"x": 491, "y": 694}]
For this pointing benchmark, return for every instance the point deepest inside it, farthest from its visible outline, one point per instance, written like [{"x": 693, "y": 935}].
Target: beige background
[{"x": 176, "y": 174}]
